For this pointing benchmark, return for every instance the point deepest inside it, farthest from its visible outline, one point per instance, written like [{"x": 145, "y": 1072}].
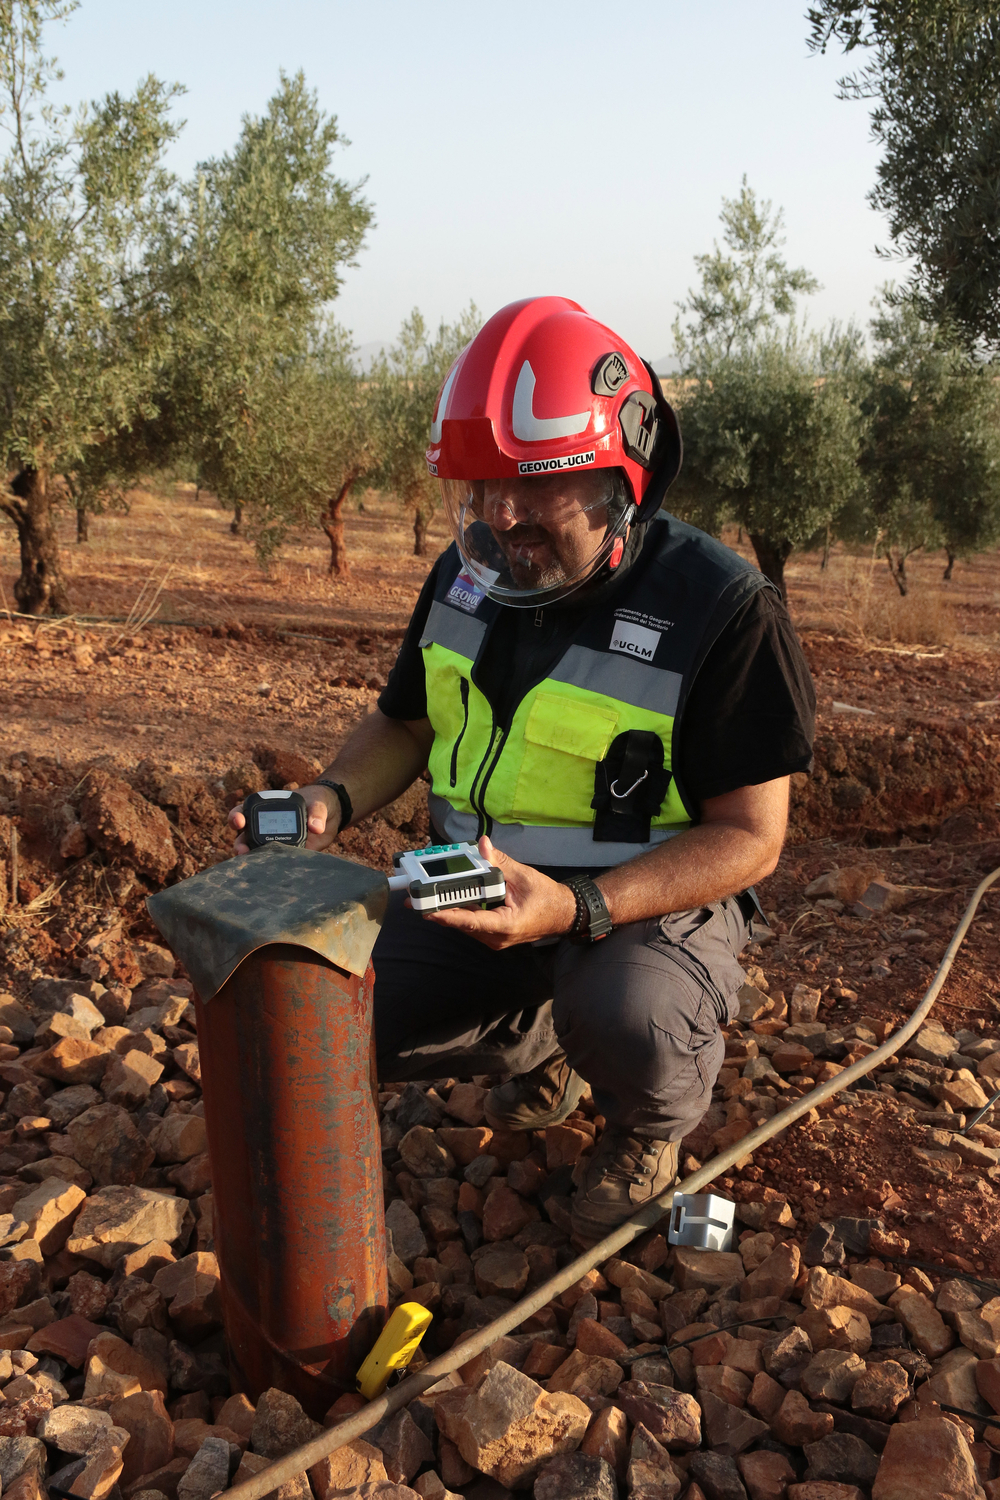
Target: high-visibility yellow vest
[{"x": 529, "y": 784}]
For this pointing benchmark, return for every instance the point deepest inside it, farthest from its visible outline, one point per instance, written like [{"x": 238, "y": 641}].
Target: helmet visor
[{"x": 533, "y": 541}]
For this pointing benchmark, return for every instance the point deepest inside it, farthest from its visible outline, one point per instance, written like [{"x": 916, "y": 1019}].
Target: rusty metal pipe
[
  {"x": 363, "y": 1421},
  {"x": 278, "y": 947},
  {"x": 287, "y": 1063}
]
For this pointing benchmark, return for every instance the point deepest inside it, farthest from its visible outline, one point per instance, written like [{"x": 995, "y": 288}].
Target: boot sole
[{"x": 575, "y": 1089}]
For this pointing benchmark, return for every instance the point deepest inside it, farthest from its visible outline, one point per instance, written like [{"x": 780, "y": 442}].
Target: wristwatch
[
  {"x": 593, "y": 920},
  {"x": 346, "y": 810}
]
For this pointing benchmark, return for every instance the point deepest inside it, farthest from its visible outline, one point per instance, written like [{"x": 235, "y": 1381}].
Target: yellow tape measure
[{"x": 394, "y": 1348}]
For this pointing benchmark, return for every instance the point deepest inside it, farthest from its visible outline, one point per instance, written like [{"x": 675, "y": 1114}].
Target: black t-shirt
[{"x": 750, "y": 712}]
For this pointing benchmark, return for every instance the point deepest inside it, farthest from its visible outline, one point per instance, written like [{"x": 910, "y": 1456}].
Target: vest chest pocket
[{"x": 563, "y": 741}]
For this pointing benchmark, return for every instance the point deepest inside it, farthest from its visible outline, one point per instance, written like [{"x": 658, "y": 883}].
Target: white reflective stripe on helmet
[{"x": 531, "y": 429}]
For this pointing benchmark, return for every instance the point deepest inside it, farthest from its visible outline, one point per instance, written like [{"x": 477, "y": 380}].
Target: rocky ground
[{"x": 815, "y": 1360}]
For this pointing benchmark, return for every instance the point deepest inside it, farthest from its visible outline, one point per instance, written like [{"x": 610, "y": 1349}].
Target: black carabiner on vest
[{"x": 635, "y": 761}]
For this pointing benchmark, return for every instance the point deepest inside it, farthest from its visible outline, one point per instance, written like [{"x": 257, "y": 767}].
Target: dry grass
[
  {"x": 855, "y": 597},
  {"x": 924, "y": 619},
  {"x": 870, "y": 608},
  {"x": 173, "y": 553}
]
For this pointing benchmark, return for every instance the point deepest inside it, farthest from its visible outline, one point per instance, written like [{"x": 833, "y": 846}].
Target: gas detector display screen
[
  {"x": 451, "y": 864},
  {"x": 277, "y": 823}
]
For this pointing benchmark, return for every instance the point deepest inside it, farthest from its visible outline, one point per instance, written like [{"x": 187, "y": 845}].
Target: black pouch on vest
[{"x": 629, "y": 787}]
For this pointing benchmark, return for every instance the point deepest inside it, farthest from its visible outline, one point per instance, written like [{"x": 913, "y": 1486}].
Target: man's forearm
[
  {"x": 738, "y": 843},
  {"x": 380, "y": 760}
]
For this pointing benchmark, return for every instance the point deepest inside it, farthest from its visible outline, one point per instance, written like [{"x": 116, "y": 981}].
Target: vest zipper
[
  {"x": 477, "y": 795},
  {"x": 485, "y": 821},
  {"x": 464, "y": 689}
]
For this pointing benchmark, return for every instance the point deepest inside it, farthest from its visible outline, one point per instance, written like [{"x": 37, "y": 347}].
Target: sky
[{"x": 557, "y": 147}]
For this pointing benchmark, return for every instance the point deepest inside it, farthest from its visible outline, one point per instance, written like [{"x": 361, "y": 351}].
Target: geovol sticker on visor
[
  {"x": 565, "y": 461},
  {"x": 467, "y": 593}
]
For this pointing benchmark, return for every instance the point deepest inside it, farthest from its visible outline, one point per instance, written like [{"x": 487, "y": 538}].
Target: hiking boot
[
  {"x": 624, "y": 1173},
  {"x": 542, "y": 1097}
]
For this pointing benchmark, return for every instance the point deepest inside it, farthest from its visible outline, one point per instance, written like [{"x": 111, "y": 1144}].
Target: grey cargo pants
[{"x": 637, "y": 1014}]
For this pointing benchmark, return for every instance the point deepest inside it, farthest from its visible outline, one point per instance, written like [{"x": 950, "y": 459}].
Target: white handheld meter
[{"x": 446, "y": 875}]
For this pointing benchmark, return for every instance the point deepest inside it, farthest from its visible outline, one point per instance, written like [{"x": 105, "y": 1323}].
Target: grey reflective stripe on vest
[
  {"x": 616, "y": 676},
  {"x": 539, "y": 844},
  {"x": 454, "y": 630}
]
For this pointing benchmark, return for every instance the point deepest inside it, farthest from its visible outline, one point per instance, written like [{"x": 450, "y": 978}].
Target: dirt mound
[
  {"x": 91, "y": 845},
  {"x": 898, "y": 781},
  {"x": 285, "y": 768},
  {"x": 125, "y": 826}
]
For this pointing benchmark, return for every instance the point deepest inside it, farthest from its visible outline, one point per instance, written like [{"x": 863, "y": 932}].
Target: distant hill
[{"x": 667, "y": 364}]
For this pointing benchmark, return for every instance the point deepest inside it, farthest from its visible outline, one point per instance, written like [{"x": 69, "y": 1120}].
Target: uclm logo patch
[{"x": 635, "y": 640}]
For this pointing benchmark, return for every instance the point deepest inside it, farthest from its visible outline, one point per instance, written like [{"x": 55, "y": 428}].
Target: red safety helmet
[{"x": 545, "y": 389}]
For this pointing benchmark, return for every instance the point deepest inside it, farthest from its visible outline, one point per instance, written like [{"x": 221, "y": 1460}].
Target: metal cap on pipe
[{"x": 278, "y": 894}]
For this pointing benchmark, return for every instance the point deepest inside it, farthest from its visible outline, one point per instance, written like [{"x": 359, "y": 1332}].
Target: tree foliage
[
  {"x": 931, "y": 453},
  {"x": 770, "y": 421},
  {"x": 254, "y": 249},
  {"x": 771, "y": 441},
  {"x": 933, "y": 72},
  {"x": 744, "y": 294},
  {"x": 81, "y": 332},
  {"x": 405, "y": 385}
]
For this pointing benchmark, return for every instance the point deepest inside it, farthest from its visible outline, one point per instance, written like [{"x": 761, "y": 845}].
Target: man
[{"x": 612, "y": 703}]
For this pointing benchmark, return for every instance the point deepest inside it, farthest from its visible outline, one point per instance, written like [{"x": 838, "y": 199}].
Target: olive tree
[
  {"x": 255, "y": 250},
  {"x": 82, "y": 333},
  {"x": 931, "y": 69},
  {"x": 405, "y": 384},
  {"x": 771, "y": 440},
  {"x": 931, "y": 454},
  {"x": 769, "y": 415},
  {"x": 345, "y": 437},
  {"x": 744, "y": 294}
]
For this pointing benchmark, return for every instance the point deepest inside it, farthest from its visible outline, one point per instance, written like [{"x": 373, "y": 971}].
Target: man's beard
[{"x": 527, "y": 574}]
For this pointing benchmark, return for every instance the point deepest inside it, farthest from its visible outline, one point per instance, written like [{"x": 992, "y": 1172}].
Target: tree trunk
[
  {"x": 41, "y": 589},
  {"x": 421, "y": 524},
  {"x": 772, "y": 554},
  {"x": 237, "y": 520},
  {"x": 332, "y": 523},
  {"x": 897, "y": 567},
  {"x": 826, "y": 551},
  {"x": 82, "y": 524},
  {"x": 951, "y": 564}
]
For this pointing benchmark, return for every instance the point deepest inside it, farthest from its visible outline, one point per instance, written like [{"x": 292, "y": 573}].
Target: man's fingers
[
  {"x": 236, "y": 819},
  {"x": 495, "y": 856},
  {"x": 317, "y": 815},
  {"x": 467, "y": 920}
]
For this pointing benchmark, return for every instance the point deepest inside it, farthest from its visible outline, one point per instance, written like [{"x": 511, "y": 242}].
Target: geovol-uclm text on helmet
[{"x": 550, "y": 438}]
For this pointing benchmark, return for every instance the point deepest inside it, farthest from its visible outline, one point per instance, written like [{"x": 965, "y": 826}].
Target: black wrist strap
[
  {"x": 593, "y": 920},
  {"x": 346, "y": 810}
]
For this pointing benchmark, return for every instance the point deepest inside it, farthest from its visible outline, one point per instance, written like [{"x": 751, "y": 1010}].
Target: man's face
[{"x": 548, "y": 528}]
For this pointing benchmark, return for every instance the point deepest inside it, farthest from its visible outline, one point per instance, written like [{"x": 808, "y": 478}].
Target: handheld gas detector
[
  {"x": 446, "y": 875},
  {"x": 275, "y": 818}
]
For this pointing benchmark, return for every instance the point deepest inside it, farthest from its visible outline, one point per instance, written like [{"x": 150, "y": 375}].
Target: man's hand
[
  {"x": 323, "y": 821},
  {"x": 535, "y": 907}
]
